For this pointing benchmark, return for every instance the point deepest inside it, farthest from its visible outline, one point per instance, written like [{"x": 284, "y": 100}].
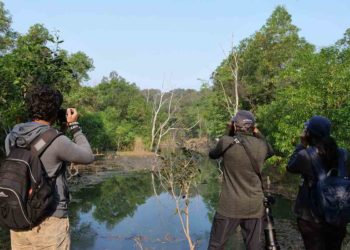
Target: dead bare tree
[
  {"x": 162, "y": 128},
  {"x": 166, "y": 126},
  {"x": 229, "y": 104},
  {"x": 157, "y": 105},
  {"x": 176, "y": 174},
  {"x": 233, "y": 63},
  {"x": 234, "y": 72}
]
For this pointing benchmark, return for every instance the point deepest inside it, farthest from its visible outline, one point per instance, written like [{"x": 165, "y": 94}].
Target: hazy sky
[{"x": 176, "y": 42}]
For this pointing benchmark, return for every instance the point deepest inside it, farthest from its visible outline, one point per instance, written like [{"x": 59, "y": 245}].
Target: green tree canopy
[{"x": 322, "y": 88}]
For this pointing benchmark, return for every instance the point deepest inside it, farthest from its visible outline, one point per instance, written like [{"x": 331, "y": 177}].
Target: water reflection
[
  {"x": 153, "y": 225},
  {"x": 120, "y": 196},
  {"x": 108, "y": 202},
  {"x": 210, "y": 187},
  {"x": 122, "y": 212}
]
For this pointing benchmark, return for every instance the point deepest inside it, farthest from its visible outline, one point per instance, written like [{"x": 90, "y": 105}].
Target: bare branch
[
  {"x": 227, "y": 99},
  {"x": 234, "y": 72}
]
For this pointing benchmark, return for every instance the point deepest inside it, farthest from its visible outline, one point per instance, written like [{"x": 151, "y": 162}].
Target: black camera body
[{"x": 62, "y": 116}]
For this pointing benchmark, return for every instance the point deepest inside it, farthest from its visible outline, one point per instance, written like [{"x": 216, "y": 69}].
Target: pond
[{"x": 123, "y": 212}]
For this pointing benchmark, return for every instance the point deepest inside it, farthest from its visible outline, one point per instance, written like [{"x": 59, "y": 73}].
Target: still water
[{"x": 123, "y": 212}]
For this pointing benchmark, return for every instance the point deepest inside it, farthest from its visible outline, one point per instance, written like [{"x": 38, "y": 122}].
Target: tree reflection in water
[
  {"x": 110, "y": 201},
  {"x": 120, "y": 196},
  {"x": 210, "y": 186},
  {"x": 123, "y": 209}
]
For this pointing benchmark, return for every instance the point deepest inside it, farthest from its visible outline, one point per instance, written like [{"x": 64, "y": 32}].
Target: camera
[{"x": 62, "y": 116}]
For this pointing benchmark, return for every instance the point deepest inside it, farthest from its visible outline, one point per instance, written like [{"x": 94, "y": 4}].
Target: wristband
[
  {"x": 75, "y": 129},
  {"x": 73, "y": 124}
]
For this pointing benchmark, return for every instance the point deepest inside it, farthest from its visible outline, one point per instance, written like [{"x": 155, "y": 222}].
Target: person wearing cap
[
  {"x": 316, "y": 233},
  {"x": 241, "y": 197}
]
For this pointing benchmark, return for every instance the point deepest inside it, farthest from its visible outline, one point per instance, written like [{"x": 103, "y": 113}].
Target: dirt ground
[{"x": 123, "y": 161}]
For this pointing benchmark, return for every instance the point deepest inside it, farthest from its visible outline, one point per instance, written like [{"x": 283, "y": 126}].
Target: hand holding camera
[
  {"x": 72, "y": 115},
  {"x": 66, "y": 116},
  {"x": 68, "y": 119}
]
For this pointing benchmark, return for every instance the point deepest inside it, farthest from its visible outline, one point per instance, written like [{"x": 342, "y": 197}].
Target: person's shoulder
[
  {"x": 61, "y": 139},
  {"x": 303, "y": 153},
  {"x": 226, "y": 138},
  {"x": 252, "y": 139},
  {"x": 18, "y": 126}
]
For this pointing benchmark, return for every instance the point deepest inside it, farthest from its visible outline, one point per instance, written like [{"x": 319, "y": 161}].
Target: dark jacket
[
  {"x": 241, "y": 193},
  {"x": 300, "y": 163}
]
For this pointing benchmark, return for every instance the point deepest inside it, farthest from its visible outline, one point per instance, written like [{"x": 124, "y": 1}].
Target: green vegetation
[
  {"x": 113, "y": 113},
  {"x": 281, "y": 77},
  {"x": 285, "y": 81}
]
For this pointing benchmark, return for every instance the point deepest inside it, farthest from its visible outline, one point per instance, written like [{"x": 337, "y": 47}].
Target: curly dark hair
[{"x": 43, "y": 102}]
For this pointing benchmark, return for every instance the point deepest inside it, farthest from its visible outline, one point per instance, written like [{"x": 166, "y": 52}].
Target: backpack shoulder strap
[
  {"x": 253, "y": 162},
  {"x": 342, "y": 160},
  {"x": 43, "y": 141},
  {"x": 235, "y": 141},
  {"x": 317, "y": 165}
]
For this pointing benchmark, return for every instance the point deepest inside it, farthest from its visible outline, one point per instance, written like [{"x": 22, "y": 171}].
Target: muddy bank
[
  {"x": 109, "y": 164},
  {"x": 287, "y": 235},
  {"x": 123, "y": 161}
]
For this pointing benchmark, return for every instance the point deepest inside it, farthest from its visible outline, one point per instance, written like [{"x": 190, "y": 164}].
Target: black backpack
[
  {"x": 26, "y": 192},
  {"x": 330, "y": 194}
]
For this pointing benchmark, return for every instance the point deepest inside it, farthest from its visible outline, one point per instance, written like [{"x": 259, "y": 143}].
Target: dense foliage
[
  {"x": 281, "y": 77},
  {"x": 285, "y": 81},
  {"x": 33, "y": 58},
  {"x": 113, "y": 113}
]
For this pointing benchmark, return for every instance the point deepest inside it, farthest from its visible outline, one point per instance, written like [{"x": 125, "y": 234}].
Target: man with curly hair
[{"x": 43, "y": 104}]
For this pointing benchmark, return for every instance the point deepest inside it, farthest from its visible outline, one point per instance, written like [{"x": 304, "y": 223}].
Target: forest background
[{"x": 282, "y": 78}]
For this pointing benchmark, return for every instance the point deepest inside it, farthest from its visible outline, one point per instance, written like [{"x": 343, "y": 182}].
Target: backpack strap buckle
[
  {"x": 21, "y": 142},
  {"x": 236, "y": 141}
]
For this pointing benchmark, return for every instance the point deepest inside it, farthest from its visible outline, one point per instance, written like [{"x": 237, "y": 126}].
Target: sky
[{"x": 169, "y": 43}]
